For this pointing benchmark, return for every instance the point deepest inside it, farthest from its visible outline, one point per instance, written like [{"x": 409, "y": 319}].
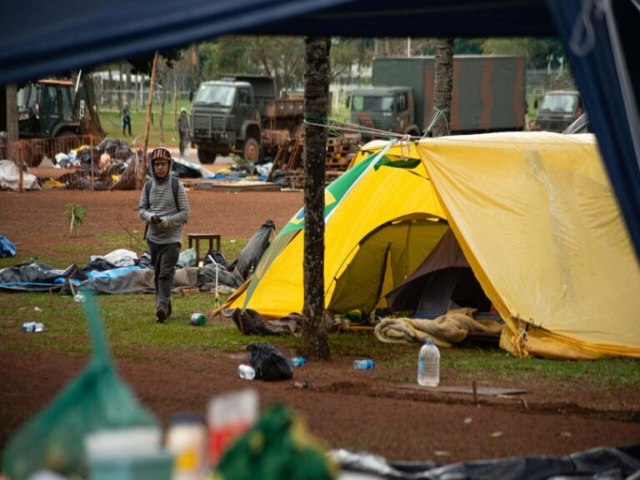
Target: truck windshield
[
  {"x": 361, "y": 103},
  {"x": 220, "y": 94},
  {"x": 559, "y": 103}
]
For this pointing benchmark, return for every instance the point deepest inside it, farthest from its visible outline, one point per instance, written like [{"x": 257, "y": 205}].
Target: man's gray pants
[{"x": 164, "y": 258}]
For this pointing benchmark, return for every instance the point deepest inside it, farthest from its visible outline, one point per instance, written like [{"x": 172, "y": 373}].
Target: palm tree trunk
[
  {"x": 443, "y": 85},
  {"x": 314, "y": 341}
]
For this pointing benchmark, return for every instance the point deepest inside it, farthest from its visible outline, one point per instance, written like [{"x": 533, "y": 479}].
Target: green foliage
[
  {"x": 535, "y": 49},
  {"x": 75, "y": 214},
  {"x": 144, "y": 63},
  {"x": 278, "y": 57}
]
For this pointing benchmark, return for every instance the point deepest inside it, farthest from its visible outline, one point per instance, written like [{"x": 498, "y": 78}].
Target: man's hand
[{"x": 155, "y": 219}]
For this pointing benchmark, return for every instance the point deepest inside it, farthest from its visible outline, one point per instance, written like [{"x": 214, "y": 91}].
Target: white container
[
  {"x": 229, "y": 415},
  {"x": 429, "y": 365},
  {"x": 187, "y": 440},
  {"x": 127, "y": 454}
]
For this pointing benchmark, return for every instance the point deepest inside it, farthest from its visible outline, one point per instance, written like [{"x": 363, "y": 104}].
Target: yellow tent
[
  {"x": 533, "y": 213},
  {"x": 535, "y": 216},
  {"x": 374, "y": 237}
]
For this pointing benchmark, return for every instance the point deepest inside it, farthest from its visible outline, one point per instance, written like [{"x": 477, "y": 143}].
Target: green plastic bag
[
  {"x": 278, "y": 446},
  {"x": 97, "y": 399}
]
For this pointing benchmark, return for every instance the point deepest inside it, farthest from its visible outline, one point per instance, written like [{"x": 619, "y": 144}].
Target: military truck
[
  {"x": 488, "y": 95},
  {"x": 557, "y": 110},
  {"x": 243, "y": 115},
  {"x": 52, "y": 116}
]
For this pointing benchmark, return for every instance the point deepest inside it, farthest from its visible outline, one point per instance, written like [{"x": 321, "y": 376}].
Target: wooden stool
[{"x": 210, "y": 237}]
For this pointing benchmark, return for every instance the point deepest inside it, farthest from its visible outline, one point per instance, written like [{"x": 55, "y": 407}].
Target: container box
[{"x": 148, "y": 466}]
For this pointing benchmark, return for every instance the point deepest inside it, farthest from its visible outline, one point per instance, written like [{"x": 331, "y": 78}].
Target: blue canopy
[{"x": 43, "y": 37}]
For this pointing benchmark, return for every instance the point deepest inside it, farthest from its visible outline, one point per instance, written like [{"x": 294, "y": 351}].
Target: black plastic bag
[
  {"x": 215, "y": 256},
  {"x": 268, "y": 362}
]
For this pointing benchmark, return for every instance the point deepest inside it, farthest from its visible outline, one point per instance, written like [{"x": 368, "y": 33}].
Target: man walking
[
  {"x": 184, "y": 130},
  {"x": 126, "y": 119},
  {"x": 165, "y": 208}
]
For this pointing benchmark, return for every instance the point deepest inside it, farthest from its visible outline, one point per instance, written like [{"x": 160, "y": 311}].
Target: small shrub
[{"x": 75, "y": 214}]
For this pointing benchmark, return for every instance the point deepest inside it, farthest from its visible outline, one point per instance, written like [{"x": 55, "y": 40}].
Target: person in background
[
  {"x": 126, "y": 119},
  {"x": 184, "y": 131},
  {"x": 165, "y": 213}
]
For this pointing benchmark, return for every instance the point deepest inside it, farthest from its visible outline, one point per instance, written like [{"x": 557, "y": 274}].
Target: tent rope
[
  {"x": 439, "y": 113},
  {"x": 520, "y": 340},
  {"x": 346, "y": 127}
]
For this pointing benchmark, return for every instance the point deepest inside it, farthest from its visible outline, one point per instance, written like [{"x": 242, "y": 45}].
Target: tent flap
[{"x": 537, "y": 220}]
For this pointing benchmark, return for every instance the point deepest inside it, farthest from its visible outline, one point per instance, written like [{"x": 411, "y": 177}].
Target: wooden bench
[{"x": 194, "y": 238}]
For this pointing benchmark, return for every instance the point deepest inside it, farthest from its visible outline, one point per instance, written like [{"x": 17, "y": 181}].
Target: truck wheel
[
  {"x": 251, "y": 150},
  {"x": 206, "y": 156}
]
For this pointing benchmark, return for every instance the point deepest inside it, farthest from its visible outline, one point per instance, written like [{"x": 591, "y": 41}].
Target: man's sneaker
[{"x": 161, "y": 315}]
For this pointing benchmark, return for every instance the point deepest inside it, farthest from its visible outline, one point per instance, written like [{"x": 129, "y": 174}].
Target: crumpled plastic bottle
[
  {"x": 32, "y": 327},
  {"x": 246, "y": 372},
  {"x": 296, "y": 362},
  {"x": 364, "y": 364}
]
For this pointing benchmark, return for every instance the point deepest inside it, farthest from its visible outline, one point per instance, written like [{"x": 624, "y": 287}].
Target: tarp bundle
[{"x": 534, "y": 215}]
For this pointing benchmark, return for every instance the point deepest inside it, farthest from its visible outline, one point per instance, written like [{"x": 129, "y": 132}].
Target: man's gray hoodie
[{"x": 161, "y": 202}]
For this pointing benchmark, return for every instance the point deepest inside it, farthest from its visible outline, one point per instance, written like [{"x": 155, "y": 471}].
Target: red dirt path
[{"x": 346, "y": 409}]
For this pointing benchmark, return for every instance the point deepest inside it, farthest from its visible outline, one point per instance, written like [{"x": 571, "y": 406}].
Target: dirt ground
[{"x": 345, "y": 408}]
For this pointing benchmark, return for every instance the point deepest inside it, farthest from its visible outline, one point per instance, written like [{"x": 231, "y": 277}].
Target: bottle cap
[{"x": 187, "y": 417}]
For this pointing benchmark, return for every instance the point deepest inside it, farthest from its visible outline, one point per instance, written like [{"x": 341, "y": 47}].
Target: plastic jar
[{"x": 186, "y": 439}]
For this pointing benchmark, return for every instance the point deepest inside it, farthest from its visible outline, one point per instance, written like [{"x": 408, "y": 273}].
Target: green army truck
[
  {"x": 557, "y": 110},
  {"x": 243, "y": 115},
  {"x": 488, "y": 95}
]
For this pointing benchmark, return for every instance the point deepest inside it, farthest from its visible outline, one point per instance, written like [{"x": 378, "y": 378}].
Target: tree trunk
[
  {"x": 314, "y": 342},
  {"x": 143, "y": 171},
  {"x": 12, "y": 122},
  {"x": 93, "y": 125},
  {"x": 443, "y": 84}
]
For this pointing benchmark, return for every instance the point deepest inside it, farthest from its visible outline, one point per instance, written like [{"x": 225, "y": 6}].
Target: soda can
[{"x": 198, "y": 319}]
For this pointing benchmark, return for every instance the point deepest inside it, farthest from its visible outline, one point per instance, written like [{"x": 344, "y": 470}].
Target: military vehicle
[
  {"x": 243, "y": 115},
  {"x": 488, "y": 95},
  {"x": 558, "y": 109}
]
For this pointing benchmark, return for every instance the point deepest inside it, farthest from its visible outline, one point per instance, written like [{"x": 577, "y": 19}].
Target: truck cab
[
  {"x": 225, "y": 120},
  {"x": 46, "y": 109},
  {"x": 387, "y": 109},
  {"x": 558, "y": 109}
]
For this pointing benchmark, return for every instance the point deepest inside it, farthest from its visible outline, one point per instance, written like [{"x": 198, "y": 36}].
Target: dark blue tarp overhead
[
  {"x": 600, "y": 36},
  {"x": 600, "y": 40}
]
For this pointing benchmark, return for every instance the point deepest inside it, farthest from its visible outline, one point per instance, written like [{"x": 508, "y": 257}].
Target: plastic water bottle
[
  {"x": 32, "y": 327},
  {"x": 364, "y": 364},
  {"x": 246, "y": 372},
  {"x": 429, "y": 365},
  {"x": 296, "y": 362}
]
